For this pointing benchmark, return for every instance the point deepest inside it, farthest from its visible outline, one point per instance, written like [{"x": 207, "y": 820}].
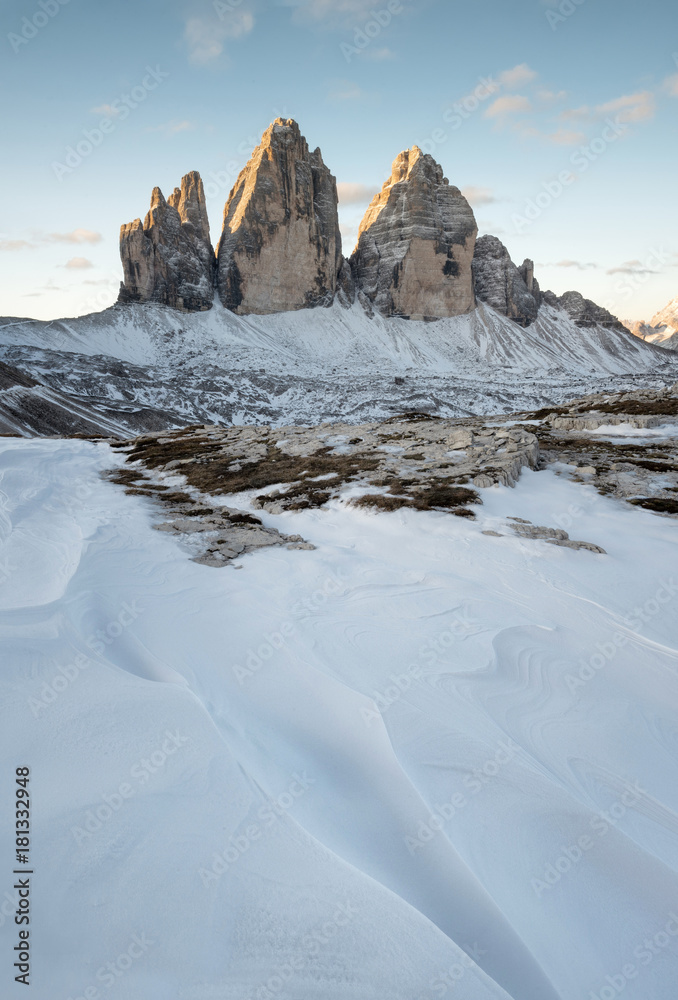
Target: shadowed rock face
[
  {"x": 280, "y": 248},
  {"x": 169, "y": 259},
  {"x": 583, "y": 311},
  {"x": 416, "y": 242},
  {"x": 510, "y": 290}
]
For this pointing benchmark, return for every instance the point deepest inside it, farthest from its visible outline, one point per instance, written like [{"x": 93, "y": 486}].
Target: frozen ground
[
  {"x": 340, "y": 773},
  {"x": 145, "y": 367}
]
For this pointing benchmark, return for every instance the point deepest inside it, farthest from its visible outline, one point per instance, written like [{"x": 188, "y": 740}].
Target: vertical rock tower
[
  {"x": 416, "y": 242},
  {"x": 280, "y": 248},
  {"x": 169, "y": 259},
  {"x": 510, "y": 290}
]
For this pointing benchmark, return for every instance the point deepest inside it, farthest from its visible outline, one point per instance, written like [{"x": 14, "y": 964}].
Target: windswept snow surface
[
  {"x": 416, "y": 762},
  {"x": 316, "y": 364}
]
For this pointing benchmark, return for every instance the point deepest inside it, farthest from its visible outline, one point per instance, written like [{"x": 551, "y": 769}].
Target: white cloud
[
  {"x": 671, "y": 85},
  {"x": 355, "y": 194},
  {"x": 206, "y": 38},
  {"x": 78, "y": 264},
  {"x": 517, "y": 77},
  {"x": 173, "y": 127},
  {"x": 630, "y": 108},
  {"x": 508, "y": 105},
  {"x": 576, "y": 114},
  {"x": 631, "y": 267},
  {"x": 478, "y": 195},
  {"x": 565, "y": 137},
  {"x": 13, "y": 245},
  {"x": 76, "y": 236},
  {"x": 107, "y": 110},
  {"x": 551, "y": 96},
  {"x": 345, "y": 90},
  {"x": 577, "y": 264}
]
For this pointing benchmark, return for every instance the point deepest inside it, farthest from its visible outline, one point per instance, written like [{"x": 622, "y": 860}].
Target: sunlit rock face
[
  {"x": 169, "y": 258},
  {"x": 416, "y": 242},
  {"x": 280, "y": 248}
]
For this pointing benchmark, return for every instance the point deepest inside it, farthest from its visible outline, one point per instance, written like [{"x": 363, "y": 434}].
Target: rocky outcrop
[
  {"x": 169, "y": 259},
  {"x": 280, "y": 248},
  {"x": 583, "y": 311},
  {"x": 416, "y": 242},
  {"x": 512, "y": 291}
]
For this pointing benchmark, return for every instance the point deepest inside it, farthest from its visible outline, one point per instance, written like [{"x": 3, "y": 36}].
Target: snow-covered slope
[
  {"x": 416, "y": 762},
  {"x": 322, "y": 364}
]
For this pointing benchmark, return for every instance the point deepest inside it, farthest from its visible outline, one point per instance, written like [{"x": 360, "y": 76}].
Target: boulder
[{"x": 415, "y": 243}]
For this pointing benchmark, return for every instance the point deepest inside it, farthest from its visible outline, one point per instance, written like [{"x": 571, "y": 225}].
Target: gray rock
[
  {"x": 510, "y": 290},
  {"x": 280, "y": 248},
  {"x": 169, "y": 258},
  {"x": 416, "y": 242},
  {"x": 583, "y": 311}
]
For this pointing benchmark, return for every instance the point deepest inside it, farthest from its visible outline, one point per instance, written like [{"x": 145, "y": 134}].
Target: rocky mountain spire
[
  {"x": 510, "y": 290},
  {"x": 416, "y": 242},
  {"x": 280, "y": 248},
  {"x": 169, "y": 259}
]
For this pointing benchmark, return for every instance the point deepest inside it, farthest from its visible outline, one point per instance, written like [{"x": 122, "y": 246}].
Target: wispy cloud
[
  {"x": 509, "y": 104},
  {"x": 517, "y": 77},
  {"x": 108, "y": 110},
  {"x": 206, "y": 37},
  {"x": 345, "y": 90},
  {"x": 630, "y": 108},
  {"x": 78, "y": 264},
  {"x": 478, "y": 195},
  {"x": 632, "y": 267},
  {"x": 671, "y": 85},
  {"x": 75, "y": 236},
  {"x": 578, "y": 265},
  {"x": 551, "y": 96},
  {"x": 566, "y": 137},
  {"x": 355, "y": 194},
  {"x": 173, "y": 127}
]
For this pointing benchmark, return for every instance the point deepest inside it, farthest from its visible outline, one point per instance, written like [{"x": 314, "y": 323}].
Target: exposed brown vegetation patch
[{"x": 660, "y": 505}]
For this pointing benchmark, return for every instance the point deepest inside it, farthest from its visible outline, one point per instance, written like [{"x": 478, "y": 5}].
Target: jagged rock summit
[
  {"x": 280, "y": 248},
  {"x": 169, "y": 259},
  {"x": 583, "y": 311},
  {"x": 416, "y": 242},
  {"x": 510, "y": 290}
]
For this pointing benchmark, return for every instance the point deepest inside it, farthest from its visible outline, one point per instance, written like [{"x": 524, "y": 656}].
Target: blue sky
[{"x": 558, "y": 119}]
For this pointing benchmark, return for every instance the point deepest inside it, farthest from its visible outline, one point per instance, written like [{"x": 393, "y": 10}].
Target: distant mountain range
[{"x": 662, "y": 328}]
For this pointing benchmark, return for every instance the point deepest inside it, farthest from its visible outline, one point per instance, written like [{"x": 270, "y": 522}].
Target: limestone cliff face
[
  {"x": 510, "y": 290},
  {"x": 280, "y": 248},
  {"x": 169, "y": 258},
  {"x": 416, "y": 242}
]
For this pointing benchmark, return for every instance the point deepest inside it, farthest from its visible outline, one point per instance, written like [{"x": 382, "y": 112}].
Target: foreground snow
[{"x": 416, "y": 762}]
